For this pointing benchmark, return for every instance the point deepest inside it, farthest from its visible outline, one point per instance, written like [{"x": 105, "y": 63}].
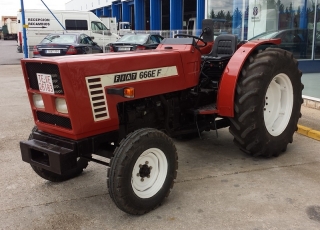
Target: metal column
[
  {"x": 125, "y": 12},
  {"x": 155, "y": 14},
  {"x": 98, "y": 12},
  {"x": 237, "y": 18},
  {"x": 139, "y": 13},
  {"x": 115, "y": 10},
  {"x": 176, "y": 14},
  {"x": 303, "y": 24},
  {"x": 200, "y": 14},
  {"x": 106, "y": 11}
]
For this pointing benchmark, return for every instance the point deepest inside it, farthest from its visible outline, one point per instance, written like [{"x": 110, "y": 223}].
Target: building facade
[
  {"x": 296, "y": 22},
  {"x": 144, "y": 14}
]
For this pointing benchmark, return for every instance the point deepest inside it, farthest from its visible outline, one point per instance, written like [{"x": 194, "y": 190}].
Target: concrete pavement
[
  {"x": 218, "y": 186},
  {"x": 8, "y": 54}
]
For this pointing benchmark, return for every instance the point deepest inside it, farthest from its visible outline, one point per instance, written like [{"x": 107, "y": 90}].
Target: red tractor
[{"x": 127, "y": 106}]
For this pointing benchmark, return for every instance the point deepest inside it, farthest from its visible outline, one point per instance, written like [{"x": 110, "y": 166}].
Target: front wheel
[
  {"x": 267, "y": 103},
  {"x": 142, "y": 171}
]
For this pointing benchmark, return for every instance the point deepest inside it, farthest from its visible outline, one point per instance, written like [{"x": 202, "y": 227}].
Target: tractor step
[{"x": 207, "y": 109}]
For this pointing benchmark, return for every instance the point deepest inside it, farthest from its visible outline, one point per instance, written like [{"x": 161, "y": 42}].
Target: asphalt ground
[{"x": 218, "y": 186}]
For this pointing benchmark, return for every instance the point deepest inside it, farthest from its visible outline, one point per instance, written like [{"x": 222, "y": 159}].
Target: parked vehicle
[
  {"x": 120, "y": 28},
  {"x": 297, "y": 41},
  {"x": 66, "y": 44},
  {"x": 126, "y": 107},
  {"x": 124, "y": 28},
  {"x": 42, "y": 22},
  {"x": 9, "y": 30},
  {"x": 131, "y": 42}
]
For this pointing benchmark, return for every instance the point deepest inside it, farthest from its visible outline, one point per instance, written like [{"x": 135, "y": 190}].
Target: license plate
[
  {"x": 52, "y": 51},
  {"x": 45, "y": 83},
  {"x": 124, "y": 48}
]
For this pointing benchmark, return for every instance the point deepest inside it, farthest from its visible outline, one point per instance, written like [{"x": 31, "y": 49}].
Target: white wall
[
  {"x": 265, "y": 20},
  {"x": 85, "y": 5}
]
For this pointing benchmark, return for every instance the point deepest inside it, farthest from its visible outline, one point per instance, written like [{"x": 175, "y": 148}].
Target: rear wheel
[
  {"x": 267, "y": 103},
  {"x": 143, "y": 170},
  {"x": 50, "y": 176}
]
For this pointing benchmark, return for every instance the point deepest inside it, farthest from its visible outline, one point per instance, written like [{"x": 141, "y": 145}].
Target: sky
[{"x": 11, "y": 7}]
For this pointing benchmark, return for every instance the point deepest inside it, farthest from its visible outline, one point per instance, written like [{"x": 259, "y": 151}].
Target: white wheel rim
[
  {"x": 278, "y": 104},
  {"x": 146, "y": 187}
]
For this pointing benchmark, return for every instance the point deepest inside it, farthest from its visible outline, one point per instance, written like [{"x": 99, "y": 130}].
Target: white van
[
  {"x": 42, "y": 22},
  {"x": 120, "y": 28}
]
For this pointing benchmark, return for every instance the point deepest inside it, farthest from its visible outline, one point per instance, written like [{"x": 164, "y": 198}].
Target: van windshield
[
  {"x": 125, "y": 26},
  {"x": 98, "y": 26}
]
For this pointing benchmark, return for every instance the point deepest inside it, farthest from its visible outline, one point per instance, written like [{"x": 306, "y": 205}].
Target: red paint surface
[
  {"x": 225, "y": 100},
  {"x": 74, "y": 70}
]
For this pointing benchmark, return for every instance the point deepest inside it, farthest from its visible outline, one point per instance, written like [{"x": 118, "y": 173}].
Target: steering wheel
[{"x": 191, "y": 36}]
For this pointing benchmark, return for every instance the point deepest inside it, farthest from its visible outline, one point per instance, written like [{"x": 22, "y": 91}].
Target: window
[
  {"x": 76, "y": 25},
  {"x": 98, "y": 27},
  {"x": 294, "y": 21},
  {"x": 59, "y": 39},
  {"x": 155, "y": 39},
  {"x": 84, "y": 39}
]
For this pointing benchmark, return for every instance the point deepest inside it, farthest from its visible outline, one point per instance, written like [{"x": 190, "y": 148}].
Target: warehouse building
[{"x": 296, "y": 22}]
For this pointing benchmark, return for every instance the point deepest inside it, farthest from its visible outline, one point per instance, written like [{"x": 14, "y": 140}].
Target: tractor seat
[{"x": 223, "y": 48}]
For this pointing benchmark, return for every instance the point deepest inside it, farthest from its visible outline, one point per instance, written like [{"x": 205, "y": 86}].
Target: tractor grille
[
  {"x": 33, "y": 68},
  {"x": 52, "y": 119}
]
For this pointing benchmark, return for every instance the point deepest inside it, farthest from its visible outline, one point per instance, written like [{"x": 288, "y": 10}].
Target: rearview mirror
[{"x": 92, "y": 37}]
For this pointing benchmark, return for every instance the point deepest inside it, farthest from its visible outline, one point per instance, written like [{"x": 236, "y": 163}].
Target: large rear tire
[
  {"x": 142, "y": 171},
  {"x": 53, "y": 177},
  {"x": 267, "y": 103}
]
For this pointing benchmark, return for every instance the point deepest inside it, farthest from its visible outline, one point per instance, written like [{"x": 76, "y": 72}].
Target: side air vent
[{"x": 97, "y": 98}]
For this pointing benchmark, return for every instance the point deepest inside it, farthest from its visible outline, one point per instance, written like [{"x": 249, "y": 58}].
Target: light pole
[{"x": 25, "y": 46}]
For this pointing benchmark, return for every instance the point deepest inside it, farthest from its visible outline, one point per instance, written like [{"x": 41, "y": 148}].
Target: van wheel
[
  {"x": 142, "y": 171},
  {"x": 267, "y": 103}
]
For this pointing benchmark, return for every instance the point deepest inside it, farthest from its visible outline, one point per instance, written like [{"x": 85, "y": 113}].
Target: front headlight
[
  {"x": 37, "y": 101},
  {"x": 61, "y": 105}
]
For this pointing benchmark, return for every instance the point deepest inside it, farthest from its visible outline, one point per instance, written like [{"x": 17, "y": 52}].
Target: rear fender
[{"x": 228, "y": 82}]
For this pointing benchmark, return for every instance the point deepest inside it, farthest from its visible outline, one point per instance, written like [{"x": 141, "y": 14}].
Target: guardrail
[{"x": 166, "y": 33}]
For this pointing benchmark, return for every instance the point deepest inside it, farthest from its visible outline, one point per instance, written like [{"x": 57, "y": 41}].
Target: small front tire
[{"x": 142, "y": 171}]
